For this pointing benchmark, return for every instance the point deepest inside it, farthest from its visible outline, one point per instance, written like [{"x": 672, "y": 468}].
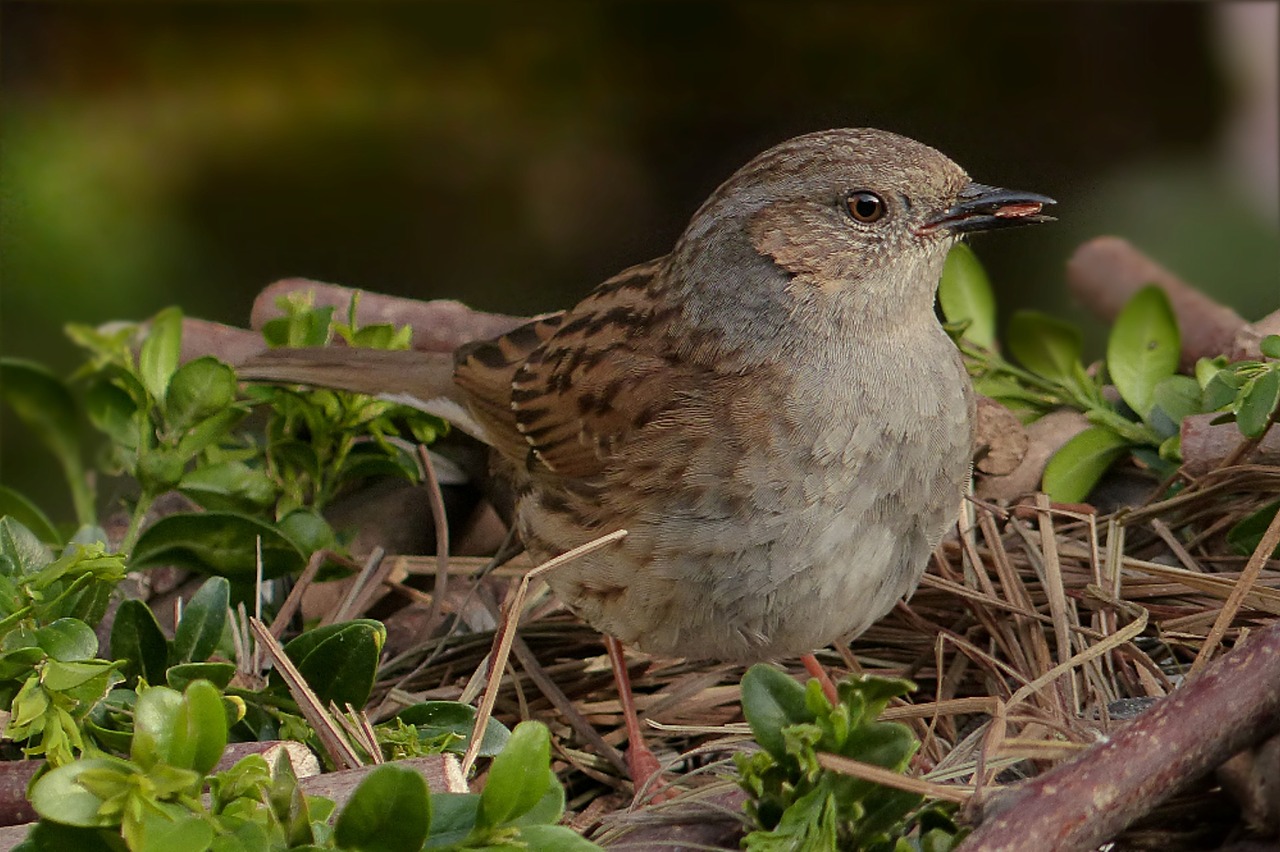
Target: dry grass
[{"x": 1026, "y": 637}]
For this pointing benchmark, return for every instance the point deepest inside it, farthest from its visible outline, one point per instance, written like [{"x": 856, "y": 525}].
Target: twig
[
  {"x": 1248, "y": 577},
  {"x": 506, "y": 633}
]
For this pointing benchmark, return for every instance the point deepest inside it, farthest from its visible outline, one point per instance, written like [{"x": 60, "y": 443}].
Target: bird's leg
[
  {"x": 641, "y": 761},
  {"x": 815, "y": 669}
]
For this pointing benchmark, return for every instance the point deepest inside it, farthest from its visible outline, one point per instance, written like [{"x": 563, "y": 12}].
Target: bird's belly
[
  {"x": 793, "y": 532},
  {"x": 830, "y": 556}
]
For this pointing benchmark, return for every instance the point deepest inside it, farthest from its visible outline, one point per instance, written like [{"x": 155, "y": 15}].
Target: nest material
[{"x": 1035, "y": 634}]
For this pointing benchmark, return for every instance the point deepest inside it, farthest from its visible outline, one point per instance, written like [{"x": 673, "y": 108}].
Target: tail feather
[{"x": 422, "y": 380}]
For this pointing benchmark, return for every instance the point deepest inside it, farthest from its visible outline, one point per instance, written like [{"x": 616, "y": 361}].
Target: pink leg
[
  {"x": 641, "y": 761},
  {"x": 815, "y": 669}
]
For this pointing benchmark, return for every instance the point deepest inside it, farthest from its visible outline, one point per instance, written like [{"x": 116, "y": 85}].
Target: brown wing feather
[{"x": 573, "y": 397}]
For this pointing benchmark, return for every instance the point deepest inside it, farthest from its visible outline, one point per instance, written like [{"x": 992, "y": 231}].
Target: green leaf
[
  {"x": 202, "y": 622},
  {"x": 136, "y": 638},
  {"x": 22, "y": 510},
  {"x": 202, "y": 724},
  {"x": 1221, "y": 390},
  {"x": 42, "y": 401},
  {"x": 113, "y": 412},
  {"x": 1143, "y": 347},
  {"x": 60, "y": 797},
  {"x": 64, "y": 677},
  {"x": 1174, "y": 398},
  {"x": 340, "y": 661},
  {"x": 1257, "y": 404},
  {"x": 163, "y": 832},
  {"x": 300, "y": 326},
  {"x": 210, "y": 431},
  {"x": 389, "y": 812},
  {"x": 308, "y": 531},
  {"x": 219, "y": 674},
  {"x": 156, "y": 736},
  {"x": 433, "y": 718},
  {"x": 220, "y": 543},
  {"x": 549, "y": 809},
  {"x": 68, "y": 640},
  {"x": 1207, "y": 368},
  {"x": 518, "y": 777},
  {"x": 453, "y": 818},
  {"x": 198, "y": 389},
  {"x": 228, "y": 486},
  {"x": 158, "y": 358},
  {"x": 21, "y": 552},
  {"x": 1246, "y": 535},
  {"x": 772, "y": 700},
  {"x": 554, "y": 838},
  {"x": 1078, "y": 464},
  {"x": 1270, "y": 345},
  {"x": 965, "y": 295},
  {"x": 1045, "y": 345}
]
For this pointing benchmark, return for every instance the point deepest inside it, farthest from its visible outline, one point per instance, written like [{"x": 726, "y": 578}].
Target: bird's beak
[{"x": 980, "y": 207}]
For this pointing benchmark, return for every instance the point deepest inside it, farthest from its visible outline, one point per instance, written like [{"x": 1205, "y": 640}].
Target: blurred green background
[{"x": 514, "y": 154}]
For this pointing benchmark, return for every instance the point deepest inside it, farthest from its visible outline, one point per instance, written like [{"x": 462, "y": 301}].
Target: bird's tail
[{"x": 423, "y": 380}]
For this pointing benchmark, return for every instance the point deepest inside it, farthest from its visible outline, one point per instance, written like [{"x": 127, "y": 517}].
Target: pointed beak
[{"x": 980, "y": 207}]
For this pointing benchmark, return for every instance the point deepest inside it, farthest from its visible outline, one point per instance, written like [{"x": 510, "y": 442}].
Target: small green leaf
[
  {"x": 219, "y": 674},
  {"x": 308, "y": 531},
  {"x": 1270, "y": 346},
  {"x": 136, "y": 638},
  {"x": 1257, "y": 404},
  {"x": 65, "y": 677},
  {"x": 965, "y": 294},
  {"x": 453, "y": 818},
  {"x": 59, "y": 796},
  {"x": 220, "y": 543},
  {"x": 68, "y": 640},
  {"x": 389, "y": 812},
  {"x": 554, "y": 838},
  {"x": 21, "y": 553},
  {"x": 1078, "y": 464},
  {"x": 518, "y": 777},
  {"x": 155, "y": 729},
  {"x": 340, "y": 661},
  {"x": 772, "y": 700},
  {"x": 1045, "y": 345},
  {"x": 202, "y": 723},
  {"x": 300, "y": 327},
  {"x": 549, "y": 809},
  {"x": 1246, "y": 535},
  {"x": 228, "y": 486},
  {"x": 210, "y": 431},
  {"x": 202, "y": 622},
  {"x": 1143, "y": 347},
  {"x": 1207, "y": 368},
  {"x": 158, "y": 358},
  {"x": 197, "y": 390},
  {"x": 162, "y": 832},
  {"x": 1221, "y": 390},
  {"x": 1173, "y": 399},
  {"x": 113, "y": 412},
  {"x": 433, "y": 718}
]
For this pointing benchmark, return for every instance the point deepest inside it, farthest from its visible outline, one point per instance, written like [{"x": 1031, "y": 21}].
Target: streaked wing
[{"x": 565, "y": 397}]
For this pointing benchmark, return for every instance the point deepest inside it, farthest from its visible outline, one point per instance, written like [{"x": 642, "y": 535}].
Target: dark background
[{"x": 515, "y": 154}]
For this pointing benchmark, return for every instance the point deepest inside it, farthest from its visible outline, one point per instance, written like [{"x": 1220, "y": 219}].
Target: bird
[{"x": 772, "y": 411}]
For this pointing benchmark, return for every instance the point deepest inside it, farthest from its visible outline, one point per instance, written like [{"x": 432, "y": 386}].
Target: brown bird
[{"x": 772, "y": 411}]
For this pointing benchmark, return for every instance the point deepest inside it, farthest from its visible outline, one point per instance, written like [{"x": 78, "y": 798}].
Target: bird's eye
[{"x": 866, "y": 207}]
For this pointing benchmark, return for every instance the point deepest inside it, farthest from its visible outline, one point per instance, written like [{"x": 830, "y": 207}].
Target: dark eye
[{"x": 866, "y": 207}]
